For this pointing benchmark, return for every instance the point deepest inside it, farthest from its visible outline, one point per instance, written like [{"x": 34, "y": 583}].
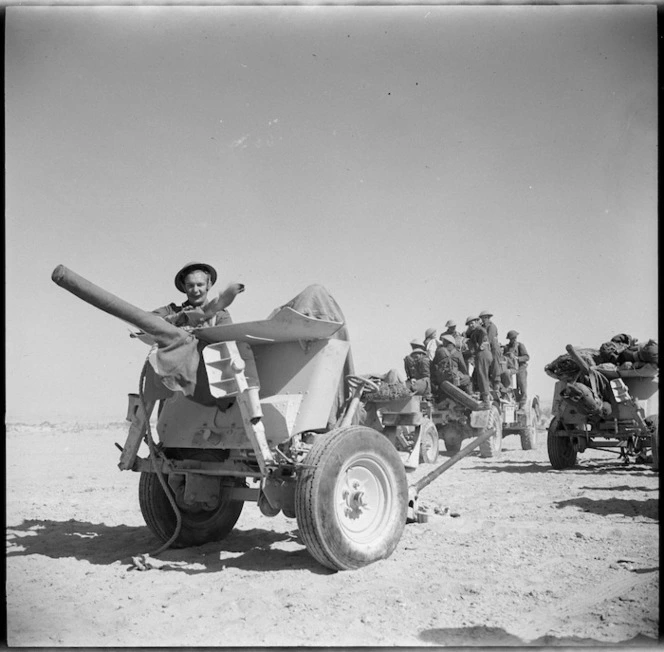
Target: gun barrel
[{"x": 163, "y": 332}]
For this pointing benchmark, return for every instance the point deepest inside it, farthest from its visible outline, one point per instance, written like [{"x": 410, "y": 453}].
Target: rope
[{"x": 154, "y": 454}]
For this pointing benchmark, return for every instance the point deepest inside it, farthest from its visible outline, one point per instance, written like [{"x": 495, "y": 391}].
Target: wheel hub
[{"x": 353, "y": 499}]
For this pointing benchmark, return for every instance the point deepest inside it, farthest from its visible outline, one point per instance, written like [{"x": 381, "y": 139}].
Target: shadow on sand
[
  {"x": 583, "y": 468},
  {"x": 98, "y": 543},
  {"x": 481, "y": 636},
  {"x": 632, "y": 508}
]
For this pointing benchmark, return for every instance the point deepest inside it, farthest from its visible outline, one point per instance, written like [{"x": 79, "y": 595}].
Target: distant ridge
[{"x": 65, "y": 426}]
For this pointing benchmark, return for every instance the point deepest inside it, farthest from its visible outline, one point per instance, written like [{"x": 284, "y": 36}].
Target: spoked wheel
[
  {"x": 561, "y": 450},
  {"x": 351, "y": 498},
  {"x": 201, "y": 523},
  {"x": 429, "y": 443},
  {"x": 491, "y": 447}
]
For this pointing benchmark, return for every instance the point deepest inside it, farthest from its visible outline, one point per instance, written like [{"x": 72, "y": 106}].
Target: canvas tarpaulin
[{"x": 180, "y": 367}]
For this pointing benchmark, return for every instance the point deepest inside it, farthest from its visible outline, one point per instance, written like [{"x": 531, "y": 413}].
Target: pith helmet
[
  {"x": 430, "y": 332},
  {"x": 511, "y": 334},
  {"x": 450, "y": 323},
  {"x": 469, "y": 319},
  {"x": 448, "y": 338},
  {"x": 486, "y": 313},
  {"x": 193, "y": 266}
]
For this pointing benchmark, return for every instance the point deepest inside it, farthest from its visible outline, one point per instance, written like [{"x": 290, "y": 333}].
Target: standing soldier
[
  {"x": 416, "y": 365},
  {"x": 517, "y": 355},
  {"x": 431, "y": 341},
  {"x": 494, "y": 345},
  {"x": 471, "y": 323},
  {"x": 478, "y": 343}
]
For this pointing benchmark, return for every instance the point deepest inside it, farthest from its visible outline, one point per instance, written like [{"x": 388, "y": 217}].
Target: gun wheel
[
  {"x": 351, "y": 498},
  {"x": 654, "y": 442},
  {"x": 429, "y": 443},
  {"x": 200, "y": 523},
  {"x": 561, "y": 449},
  {"x": 491, "y": 447},
  {"x": 529, "y": 433}
]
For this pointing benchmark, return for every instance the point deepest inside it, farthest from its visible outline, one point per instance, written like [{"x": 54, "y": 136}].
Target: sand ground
[{"x": 532, "y": 556}]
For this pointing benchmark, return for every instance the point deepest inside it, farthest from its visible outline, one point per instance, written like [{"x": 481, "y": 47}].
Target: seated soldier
[
  {"x": 195, "y": 280},
  {"x": 448, "y": 364},
  {"x": 416, "y": 365}
]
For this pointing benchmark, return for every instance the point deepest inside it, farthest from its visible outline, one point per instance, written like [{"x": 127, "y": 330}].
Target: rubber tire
[
  {"x": 491, "y": 447},
  {"x": 561, "y": 451},
  {"x": 332, "y": 537},
  {"x": 452, "y": 435},
  {"x": 429, "y": 443},
  {"x": 197, "y": 527},
  {"x": 654, "y": 444},
  {"x": 528, "y": 436}
]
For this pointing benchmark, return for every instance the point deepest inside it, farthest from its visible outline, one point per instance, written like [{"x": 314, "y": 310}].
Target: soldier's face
[{"x": 196, "y": 286}]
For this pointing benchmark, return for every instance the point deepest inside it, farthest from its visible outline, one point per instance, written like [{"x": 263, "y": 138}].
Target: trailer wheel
[
  {"x": 654, "y": 442},
  {"x": 452, "y": 435},
  {"x": 491, "y": 447},
  {"x": 429, "y": 443},
  {"x": 561, "y": 450},
  {"x": 199, "y": 524},
  {"x": 528, "y": 438},
  {"x": 529, "y": 433},
  {"x": 351, "y": 498}
]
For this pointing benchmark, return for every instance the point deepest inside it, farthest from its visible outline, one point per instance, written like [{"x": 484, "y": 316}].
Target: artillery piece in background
[{"x": 614, "y": 409}]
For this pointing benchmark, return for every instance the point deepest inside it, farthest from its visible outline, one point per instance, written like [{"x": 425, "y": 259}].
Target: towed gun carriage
[
  {"x": 594, "y": 407},
  {"x": 261, "y": 412}
]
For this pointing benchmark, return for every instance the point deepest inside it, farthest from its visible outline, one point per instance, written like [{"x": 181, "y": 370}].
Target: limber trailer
[{"x": 251, "y": 412}]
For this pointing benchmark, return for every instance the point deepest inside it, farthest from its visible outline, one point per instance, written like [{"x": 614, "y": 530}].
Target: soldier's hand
[{"x": 224, "y": 299}]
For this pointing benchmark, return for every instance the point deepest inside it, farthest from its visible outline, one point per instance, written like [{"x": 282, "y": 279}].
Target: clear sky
[{"x": 422, "y": 163}]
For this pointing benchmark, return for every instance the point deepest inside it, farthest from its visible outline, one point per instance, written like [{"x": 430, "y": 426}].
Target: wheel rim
[
  {"x": 363, "y": 499},
  {"x": 428, "y": 444},
  {"x": 496, "y": 425}
]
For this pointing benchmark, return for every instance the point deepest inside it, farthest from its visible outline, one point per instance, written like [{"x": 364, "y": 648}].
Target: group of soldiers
[{"x": 453, "y": 355}]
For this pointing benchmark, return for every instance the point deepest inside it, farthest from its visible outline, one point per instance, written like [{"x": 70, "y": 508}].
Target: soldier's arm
[{"x": 523, "y": 353}]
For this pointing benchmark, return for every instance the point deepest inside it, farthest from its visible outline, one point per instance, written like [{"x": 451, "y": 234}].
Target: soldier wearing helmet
[
  {"x": 195, "y": 280},
  {"x": 480, "y": 350},
  {"x": 431, "y": 341},
  {"x": 517, "y": 357},
  {"x": 448, "y": 365},
  {"x": 494, "y": 344},
  {"x": 416, "y": 365},
  {"x": 450, "y": 329}
]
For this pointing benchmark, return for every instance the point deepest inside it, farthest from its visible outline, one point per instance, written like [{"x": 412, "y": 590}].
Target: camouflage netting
[
  {"x": 620, "y": 353},
  {"x": 390, "y": 387},
  {"x": 564, "y": 366},
  {"x": 389, "y": 392}
]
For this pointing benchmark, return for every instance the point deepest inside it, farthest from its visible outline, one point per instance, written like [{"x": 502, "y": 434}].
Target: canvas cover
[{"x": 180, "y": 367}]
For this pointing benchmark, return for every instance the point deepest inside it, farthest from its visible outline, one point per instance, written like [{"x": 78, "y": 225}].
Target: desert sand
[{"x": 525, "y": 555}]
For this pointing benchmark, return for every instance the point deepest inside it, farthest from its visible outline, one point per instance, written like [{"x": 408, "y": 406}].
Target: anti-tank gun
[
  {"x": 603, "y": 406},
  {"x": 262, "y": 412}
]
